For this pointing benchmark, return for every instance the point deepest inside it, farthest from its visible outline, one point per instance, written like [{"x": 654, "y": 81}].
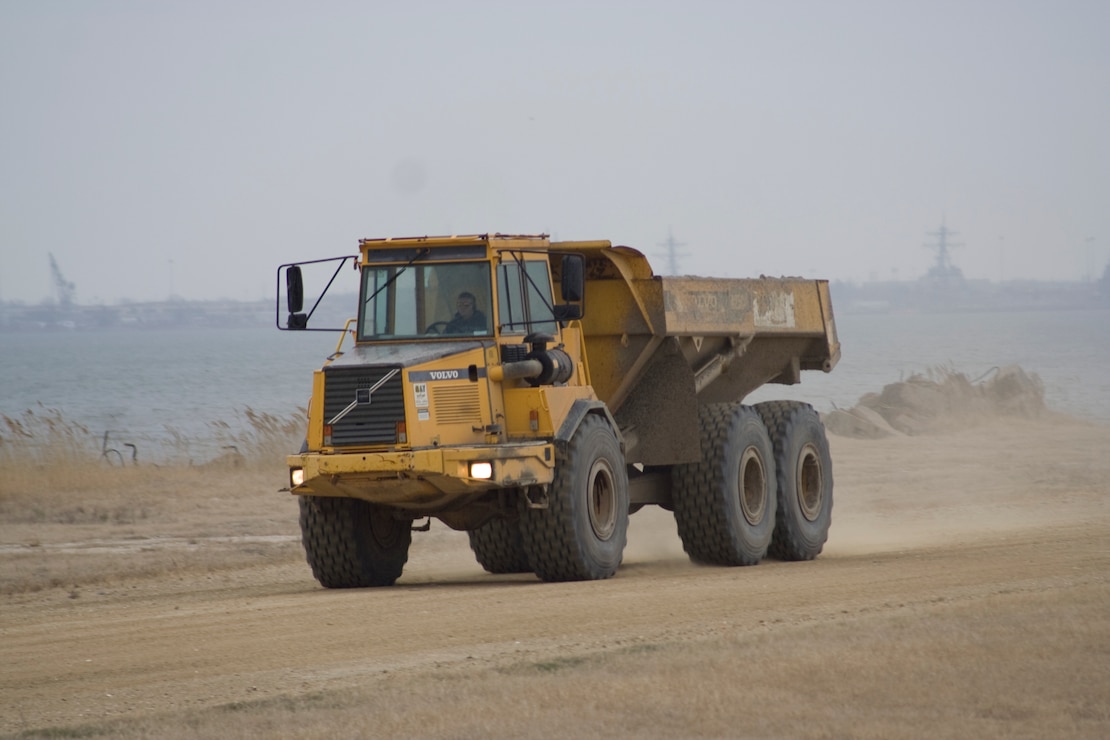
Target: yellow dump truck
[{"x": 536, "y": 393}]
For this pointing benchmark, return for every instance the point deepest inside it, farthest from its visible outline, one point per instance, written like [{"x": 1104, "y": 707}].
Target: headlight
[
  {"x": 296, "y": 476},
  {"x": 482, "y": 470}
]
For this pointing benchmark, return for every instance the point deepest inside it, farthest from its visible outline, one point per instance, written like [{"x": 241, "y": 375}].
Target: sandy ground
[{"x": 965, "y": 590}]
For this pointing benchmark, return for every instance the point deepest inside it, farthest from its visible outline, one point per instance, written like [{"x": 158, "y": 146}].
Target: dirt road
[{"x": 966, "y": 585}]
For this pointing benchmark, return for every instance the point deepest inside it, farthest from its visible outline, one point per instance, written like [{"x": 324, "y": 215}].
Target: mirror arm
[{"x": 325, "y": 290}]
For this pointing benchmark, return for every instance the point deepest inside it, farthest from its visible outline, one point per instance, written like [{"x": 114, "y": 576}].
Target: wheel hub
[
  {"x": 809, "y": 485},
  {"x": 601, "y": 500},
  {"x": 752, "y": 483}
]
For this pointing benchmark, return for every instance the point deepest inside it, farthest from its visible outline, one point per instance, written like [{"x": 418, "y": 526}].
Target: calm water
[
  {"x": 165, "y": 390},
  {"x": 157, "y": 387}
]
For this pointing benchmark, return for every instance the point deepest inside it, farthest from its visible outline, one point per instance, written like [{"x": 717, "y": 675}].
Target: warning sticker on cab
[{"x": 420, "y": 391}]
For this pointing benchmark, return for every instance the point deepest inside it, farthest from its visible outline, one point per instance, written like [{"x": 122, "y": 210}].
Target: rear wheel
[
  {"x": 724, "y": 506},
  {"x": 805, "y": 479},
  {"x": 582, "y": 534},
  {"x": 351, "y": 543},
  {"x": 499, "y": 547}
]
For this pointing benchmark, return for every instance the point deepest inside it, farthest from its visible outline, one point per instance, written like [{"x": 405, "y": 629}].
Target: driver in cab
[{"x": 468, "y": 319}]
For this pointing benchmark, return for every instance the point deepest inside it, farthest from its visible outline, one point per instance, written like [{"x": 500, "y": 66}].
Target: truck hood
[{"x": 405, "y": 355}]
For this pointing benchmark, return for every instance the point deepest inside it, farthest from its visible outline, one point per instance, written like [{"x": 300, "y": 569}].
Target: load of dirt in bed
[{"x": 939, "y": 400}]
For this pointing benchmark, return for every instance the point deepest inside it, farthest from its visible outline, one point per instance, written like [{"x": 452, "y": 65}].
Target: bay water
[{"x": 175, "y": 390}]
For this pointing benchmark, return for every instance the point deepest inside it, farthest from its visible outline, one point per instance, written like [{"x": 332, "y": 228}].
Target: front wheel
[
  {"x": 582, "y": 534},
  {"x": 805, "y": 479},
  {"x": 350, "y": 543}
]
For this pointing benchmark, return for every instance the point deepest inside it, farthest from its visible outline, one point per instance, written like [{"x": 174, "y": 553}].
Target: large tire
[
  {"x": 805, "y": 480},
  {"x": 351, "y": 543},
  {"x": 581, "y": 535},
  {"x": 499, "y": 547},
  {"x": 724, "y": 506}
]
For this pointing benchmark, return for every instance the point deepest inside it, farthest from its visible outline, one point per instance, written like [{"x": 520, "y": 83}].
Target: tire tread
[
  {"x": 553, "y": 536},
  {"x": 792, "y": 541},
  {"x": 701, "y": 512},
  {"x": 499, "y": 547},
  {"x": 339, "y": 546}
]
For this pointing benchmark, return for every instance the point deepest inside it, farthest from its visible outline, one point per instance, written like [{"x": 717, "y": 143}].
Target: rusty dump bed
[{"x": 660, "y": 346}]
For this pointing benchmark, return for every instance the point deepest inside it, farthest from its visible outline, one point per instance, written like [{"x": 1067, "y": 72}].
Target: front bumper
[{"x": 423, "y": 480}]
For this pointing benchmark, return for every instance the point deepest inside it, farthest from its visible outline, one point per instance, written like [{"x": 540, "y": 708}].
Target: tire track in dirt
[{"x": 267, "y": 636}]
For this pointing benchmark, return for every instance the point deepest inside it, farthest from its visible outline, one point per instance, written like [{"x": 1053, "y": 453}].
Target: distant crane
[{"x": 62, "y": 287}]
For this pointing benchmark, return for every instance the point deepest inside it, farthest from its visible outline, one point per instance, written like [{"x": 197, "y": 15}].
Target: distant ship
[{"x": 943, "y": 288}]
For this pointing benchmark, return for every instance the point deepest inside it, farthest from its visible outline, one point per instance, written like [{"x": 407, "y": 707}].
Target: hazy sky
[{"x": 191, "y": 147}]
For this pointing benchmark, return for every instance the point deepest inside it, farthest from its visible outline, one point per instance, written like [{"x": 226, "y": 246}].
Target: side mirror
[
  {"x": 573, "y": 277},
  {"x": 294, "y": 297},
  {"x": 297, "y": 317},
  {"x": 294, "y": 288}
]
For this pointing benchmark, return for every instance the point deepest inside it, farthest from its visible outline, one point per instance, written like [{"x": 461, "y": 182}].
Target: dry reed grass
[
  {"x": 73, "y": 517},
  {"x": 42, "y": 438},
  {"x": 90, "y": 526}
]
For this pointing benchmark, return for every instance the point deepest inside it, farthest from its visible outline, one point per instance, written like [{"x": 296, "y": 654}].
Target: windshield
[{"x": 425, "y": 300}]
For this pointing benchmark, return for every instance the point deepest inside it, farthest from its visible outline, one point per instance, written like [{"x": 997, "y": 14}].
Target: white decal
[{"x": 776, "y": 311}]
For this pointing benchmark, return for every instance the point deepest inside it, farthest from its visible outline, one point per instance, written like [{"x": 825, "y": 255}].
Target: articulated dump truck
[{"x": 535, "y": 394}]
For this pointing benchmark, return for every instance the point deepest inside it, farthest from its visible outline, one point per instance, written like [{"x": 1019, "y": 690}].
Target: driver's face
[{"x": 465, "y": 307}]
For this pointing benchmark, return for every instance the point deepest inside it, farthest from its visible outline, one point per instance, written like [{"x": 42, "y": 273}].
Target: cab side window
[{"x": 523, "y": 304}]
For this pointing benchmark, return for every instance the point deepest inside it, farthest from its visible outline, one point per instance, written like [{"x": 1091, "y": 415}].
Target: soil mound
[{"x": 939, "y": 400}]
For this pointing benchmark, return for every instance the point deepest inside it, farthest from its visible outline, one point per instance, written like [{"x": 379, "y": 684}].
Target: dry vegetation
[
  {"x": 965, "y": 591},
  {"x": 73, "y": 515},
  {"x": 42, "y": 437}
]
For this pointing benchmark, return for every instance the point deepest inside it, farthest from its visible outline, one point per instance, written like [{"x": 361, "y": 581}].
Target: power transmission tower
[
  {"x": 943, "y": 269},
  {"x": 672, "y": 254}
]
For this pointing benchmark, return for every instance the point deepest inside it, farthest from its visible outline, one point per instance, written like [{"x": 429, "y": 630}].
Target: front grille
[{"x": 369, "y": 419}]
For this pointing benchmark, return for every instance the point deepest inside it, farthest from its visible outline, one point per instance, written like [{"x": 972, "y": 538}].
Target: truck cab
[{"x": 463, "y": 364}]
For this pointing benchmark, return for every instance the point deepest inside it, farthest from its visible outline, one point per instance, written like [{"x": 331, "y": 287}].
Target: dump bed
[{"x": 658, "y": 347}]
